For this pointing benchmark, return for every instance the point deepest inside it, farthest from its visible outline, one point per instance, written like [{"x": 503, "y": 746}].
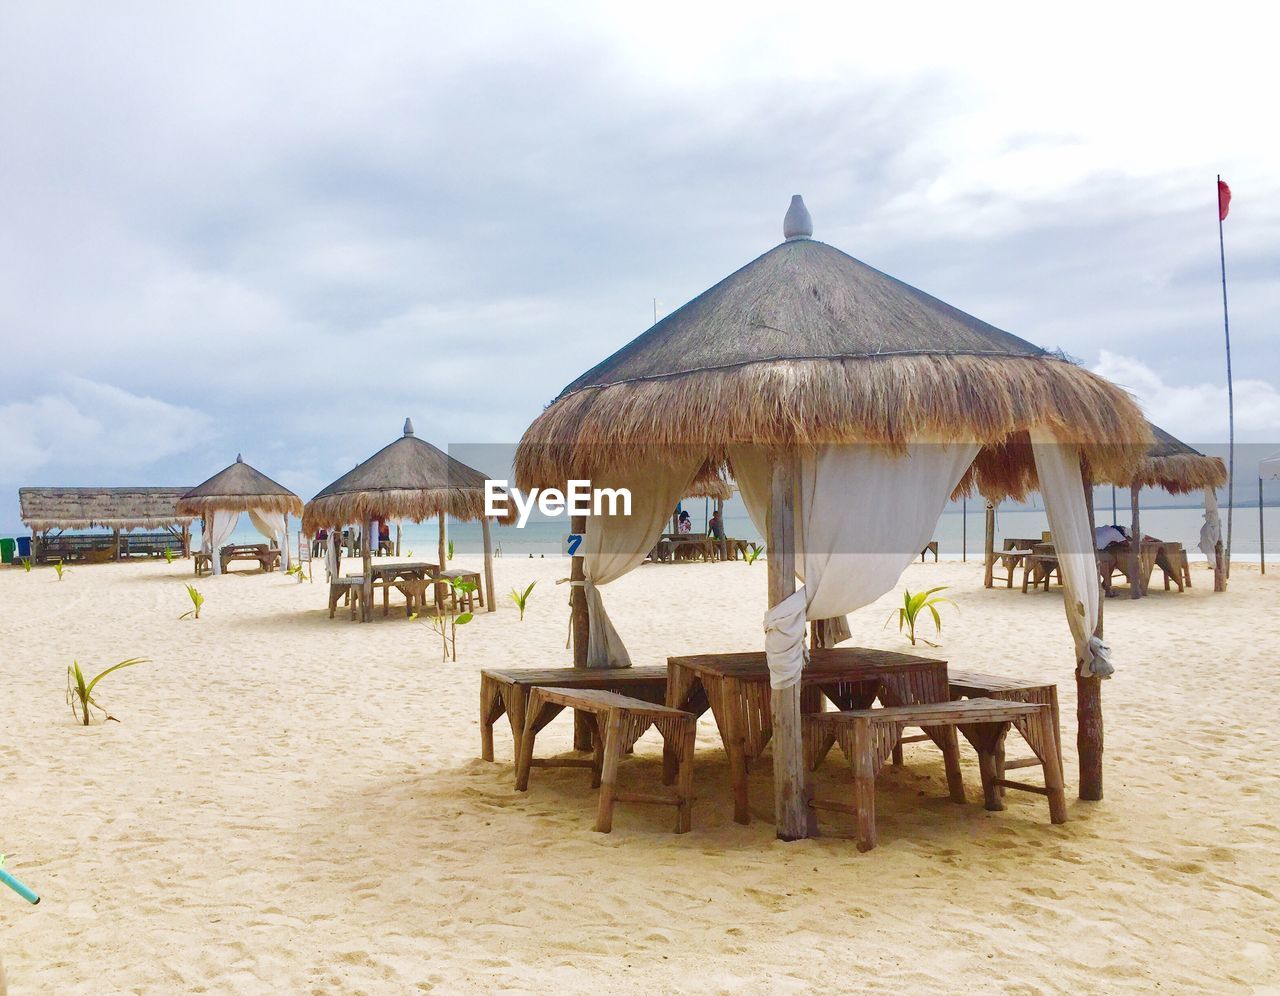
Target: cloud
[
  {"x": 1197, "y": 413},
  {"x": 87, "y": 429}
]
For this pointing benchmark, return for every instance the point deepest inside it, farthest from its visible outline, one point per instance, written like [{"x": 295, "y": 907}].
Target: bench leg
[
  {"x": 897, "y": 754},
  {"x": 1042, "y": 724},
  {"x": 864, "y": 784},
  {"x": 516, "y": 699},
  {"x": 945, "y": 738},
  {"x": 597, "y": 740},
  {"x": 988, "y": 739},
  {"x": 609, "y": 771},
  {"x": 531, "y": 727},
  {"x": 491, "y": 710},
  {"x": 684, "y": 808}
]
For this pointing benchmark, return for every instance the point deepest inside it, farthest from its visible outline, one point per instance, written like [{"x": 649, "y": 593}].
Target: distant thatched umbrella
[
  {"x": 806, "y": 346},
  {"x": 407, "y": 479},
  {"x": 1171, "y": 464},
  {"x": 241, "y": 488}
]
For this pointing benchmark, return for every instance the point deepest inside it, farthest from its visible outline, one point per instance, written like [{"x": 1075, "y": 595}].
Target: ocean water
[{"x": 959, "y": 535}]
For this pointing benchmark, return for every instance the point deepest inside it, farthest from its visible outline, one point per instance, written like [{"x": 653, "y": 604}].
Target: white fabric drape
[
  {"x": 331, "y": 556},
  {"x": 863, "y": 513},
  {"x": 223, "y": 525},
  {"x": 275, "y": 527},
  {"x": 1062, "y": 486},
  {"x": 617, "y": 544},
  {"x": 1211, "y": 531}
]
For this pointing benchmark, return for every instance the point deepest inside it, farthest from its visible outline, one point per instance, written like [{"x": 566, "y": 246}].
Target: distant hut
[
  {"x": 235, "y": 489},
  {"x": 407, "y": 479},
  {"x": 848, "y": 406},
  {"x": 52, "y": 513}
]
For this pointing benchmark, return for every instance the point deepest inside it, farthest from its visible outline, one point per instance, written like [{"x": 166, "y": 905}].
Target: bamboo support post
[
  {"x": 1262, "y": 541},
  {"x": 580, "y": 628},
  {"x": 1135, "y": 544},
  {"x": 444, "y": 560},
  {"x": 989, "y": 547},
  {"x": 491, "y": 601},
  {"x": 791, "y": 805},
  {"x": 366, "y": 558},
  {"x": 1089, "y": 740}
]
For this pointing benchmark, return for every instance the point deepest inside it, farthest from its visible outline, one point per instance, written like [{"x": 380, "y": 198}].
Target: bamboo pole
[
  {"x": 398, "y": 533},
  {"x": 1089, "y": 739},
  {"x": 989, "y": 547},
  {"x": 366, "y": 558},
  {"x": 444, "y": 560},
  {"x": 1262, "y": 541},
  {"x": 1135, "y": 544},
  {"x": 791, "y": 804},
  {"x": 579, "y": 628},
  {"x": 491, "y": 602}
]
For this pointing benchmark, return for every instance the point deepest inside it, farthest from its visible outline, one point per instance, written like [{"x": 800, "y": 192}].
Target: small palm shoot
[
  {"x": 521, "y": 598},
  {"x": 449, "y": 552},
  {"x": 753, "y": 553},
  {"x": 60, "y": 568},
  {"x": 197, "y": 600},
  {"x": 168, "y": 555},
  {"x": 80, "y": 692},
  {"x": 297, "y": 572},
  {"x": 446, "y": 624},
  {"x": 913, "y": 606},
  {"x": 26, "y": 564}
]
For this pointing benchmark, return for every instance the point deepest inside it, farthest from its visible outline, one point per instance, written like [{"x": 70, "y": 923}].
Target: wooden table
[
  {"x": 508, "y": 691},
  {"x": 267, "y": 558},
  {"x": 409, "y": 578},
  {"x": 736, "y": 689}
]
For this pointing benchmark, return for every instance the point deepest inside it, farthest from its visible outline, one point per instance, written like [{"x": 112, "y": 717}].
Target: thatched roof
[
  {"x": 806, "y": 345},
  {"x": 1178, "y": 468},
  {"x": 239, "y": 488},
  {"x": 710, "y": 483},
  {"x": 409, "y": 479},
  {"x": 109, "y": 508}
]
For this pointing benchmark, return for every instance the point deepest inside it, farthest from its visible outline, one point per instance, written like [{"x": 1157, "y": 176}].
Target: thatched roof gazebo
[
  {"x": 407, "y": 479},
  {"x": 238, "y": 488},
  {"x": 48, "y": 512},
  {"x": 855, "y": 403}
]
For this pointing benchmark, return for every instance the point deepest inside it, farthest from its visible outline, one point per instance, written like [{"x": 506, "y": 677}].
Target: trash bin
[
  {"x": 7, "y": 546},
  {"x": 24, "y": 547}
]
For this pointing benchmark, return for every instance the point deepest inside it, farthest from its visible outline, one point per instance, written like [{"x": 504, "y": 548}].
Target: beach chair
[
  {"x": 867, "y": 738},
  {"x": 618, "y": 722}
]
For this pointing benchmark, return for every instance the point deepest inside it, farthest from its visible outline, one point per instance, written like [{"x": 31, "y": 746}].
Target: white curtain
[
  {"x": 331, "y": 560},
  {"x": 1211, "y": 531},
  {"x": 617, "y": 544},
  {"x": 224, "y": 524},
  {"x": 1062, "y": 486},
  {"x": 275, "y": 527},
  {"x": 863, "y": 513}
]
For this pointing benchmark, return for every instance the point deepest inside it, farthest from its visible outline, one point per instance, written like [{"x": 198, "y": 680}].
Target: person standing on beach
[{"x": 716, "y": 529}]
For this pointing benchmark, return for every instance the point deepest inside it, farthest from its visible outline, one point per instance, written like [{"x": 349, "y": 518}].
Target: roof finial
[
  {"x": 408, "y": 427},
  {"x": 239, "y": 458},
  {"x": 797, "y": 224}
]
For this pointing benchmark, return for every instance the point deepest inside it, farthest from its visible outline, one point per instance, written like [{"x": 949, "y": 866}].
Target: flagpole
[{"x": 1231, "y": 402}]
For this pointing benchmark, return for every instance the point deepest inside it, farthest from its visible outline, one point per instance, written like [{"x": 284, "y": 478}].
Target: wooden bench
[
  {"x": 930, "y": 547},
  {"x": 443, "y": 589},
  {"x": 867, "y": 737},
  {"x": 202, "y": 562},
  {"x": 349, "y": 589},
  {"x": 972, "y": 685},
  {"x": 268, "y": 559},
  {"x": 619, "y": 721},
  {"x": 508, "y": 691}
]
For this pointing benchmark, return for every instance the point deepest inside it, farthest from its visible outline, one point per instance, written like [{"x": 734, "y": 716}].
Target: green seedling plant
[
  {"x": 168, "y": 555},
  {"x": 297, "y": 572},
  {"x": 753, "y": 553},
  {"x": 80, "y": 692},
  {"x": 26, "y": 564},
  {"x": 521, "y": 598},
  {"x": 447, "y": 622},
  {"x": 197, "y": 600},
  {"x": 60, "y": 568},
  {"x": 450, "y": 550},
  {"x": 912, "y": 606}
]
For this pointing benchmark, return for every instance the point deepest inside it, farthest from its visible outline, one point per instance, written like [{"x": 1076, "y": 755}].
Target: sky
[{"x": 279, "y": 229}]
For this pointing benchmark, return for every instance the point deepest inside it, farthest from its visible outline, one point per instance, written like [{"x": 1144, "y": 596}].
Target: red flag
[{"x": 1224, "y": 200}]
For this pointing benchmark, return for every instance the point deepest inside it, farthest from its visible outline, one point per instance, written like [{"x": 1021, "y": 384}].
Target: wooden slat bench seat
[
  {"x": 349, "y": 589},
  {"x": 619, "y": 721},
  {"x": 867, "y": 737},
  {"x": 973, "y": 685},
  {"x": 508, "y": 691}
]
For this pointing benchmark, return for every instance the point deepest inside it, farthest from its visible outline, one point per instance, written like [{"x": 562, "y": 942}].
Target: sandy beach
[{"x": 295, "y": 804}]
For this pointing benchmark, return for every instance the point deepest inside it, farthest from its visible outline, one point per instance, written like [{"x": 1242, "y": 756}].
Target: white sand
[{"x": 294, "y": 804}]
